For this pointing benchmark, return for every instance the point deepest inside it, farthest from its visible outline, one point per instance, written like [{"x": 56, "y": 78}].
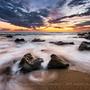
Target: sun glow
[
  {"x": 65, "y": 25},
  {"x": 10, "y": 27}
]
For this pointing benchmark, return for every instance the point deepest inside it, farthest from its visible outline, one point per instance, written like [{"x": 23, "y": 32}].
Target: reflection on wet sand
[
  {"x": 46, "y": 80},
  {"x": 43, "y": 76}
]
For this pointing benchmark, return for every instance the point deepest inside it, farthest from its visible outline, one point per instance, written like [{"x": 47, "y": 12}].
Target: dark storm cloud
[
  {"x": 76, "y": 2},
  {"x": 87, "y": 12},
  {"x": 31, "y": 12},
  {"x": 84, "y": 23}
]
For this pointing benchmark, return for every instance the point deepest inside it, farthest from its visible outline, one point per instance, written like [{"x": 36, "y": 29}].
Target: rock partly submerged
[
  {"x": 85, "y": 35},
  {"x": 84, "y": 46},
  {"x": 37, "y": 40},
  {"x": 62, "y": 43},
  {"x": 28, "y": 63},
  {"x": 9, "y": 36},
  {"x": 17, "y": 40},
  {"x": 56, "y": 63}
]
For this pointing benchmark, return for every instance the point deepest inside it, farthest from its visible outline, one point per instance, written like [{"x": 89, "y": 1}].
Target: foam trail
[{"x": 70, "y": 52}]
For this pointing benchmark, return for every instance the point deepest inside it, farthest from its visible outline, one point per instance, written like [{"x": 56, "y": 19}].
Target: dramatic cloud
[
  {"x": 84, "y": 23},
  {"x": 53, "y": 15}
]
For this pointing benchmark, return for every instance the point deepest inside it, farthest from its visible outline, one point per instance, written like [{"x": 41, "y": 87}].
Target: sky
[{"x": 45, "y": 15}]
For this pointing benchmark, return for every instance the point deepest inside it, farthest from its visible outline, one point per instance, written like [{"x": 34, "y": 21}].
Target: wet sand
[{"x": 46, "y": 80}]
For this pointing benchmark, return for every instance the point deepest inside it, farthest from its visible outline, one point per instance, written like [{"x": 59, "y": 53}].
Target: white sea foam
[{"x": 81, "y": 60}]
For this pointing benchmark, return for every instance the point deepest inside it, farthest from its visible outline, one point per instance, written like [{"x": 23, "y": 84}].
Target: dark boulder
[
  {"x": 27, "y": 58},
  {"x": 19, "y": 40},
  {"x": 38, "y": 40},
  {"x": 81, "y": 34},
  {"x": 84, "y": 46},
  {"x": 84, "y": 35},
  {"x": 28, "y": 63},
  {"x": 87, "y": 36},
  {"x": 62, "y": 43},
  {"x": 56, "y": 63}
]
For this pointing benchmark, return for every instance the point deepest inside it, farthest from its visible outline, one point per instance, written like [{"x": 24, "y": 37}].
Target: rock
[
  {"x": 84, "y": 35},
  {"x": 62, "y": 43},
  {"x": 84, "y": 46},
  {"x": 9, "y": 36},
  {"x": 87, "y": 36},
  {"x": 19, "y": 40},
  {"x": 56, "y": 63},
  {"x": 26, "y": 58},
  {"x": 81, "y": 34},
  {"x": 28, "y": 63},
  {"x": 38, "y": 40}
]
